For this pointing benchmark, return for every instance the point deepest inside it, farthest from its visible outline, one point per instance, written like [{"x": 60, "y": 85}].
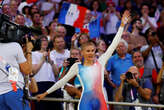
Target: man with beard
[
  {"x": 59, "y": 54},
  {"x": 136, "y": 37},
  {"x": 145, "y": 72}
]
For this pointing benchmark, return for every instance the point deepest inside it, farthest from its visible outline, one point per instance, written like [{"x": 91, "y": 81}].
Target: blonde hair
[{"x": 90, "y": 42}]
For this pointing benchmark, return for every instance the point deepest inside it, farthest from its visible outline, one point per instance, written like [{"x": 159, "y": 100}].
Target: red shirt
[{"x": 154, "y": 74}]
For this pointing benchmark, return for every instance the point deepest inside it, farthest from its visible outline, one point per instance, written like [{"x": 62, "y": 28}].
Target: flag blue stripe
[
  {"x": 94, "y": 28},
  {"x": 63, "y": 13}
]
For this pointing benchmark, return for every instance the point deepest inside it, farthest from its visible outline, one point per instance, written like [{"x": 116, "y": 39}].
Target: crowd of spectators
[{"x": 57, "y": 46}]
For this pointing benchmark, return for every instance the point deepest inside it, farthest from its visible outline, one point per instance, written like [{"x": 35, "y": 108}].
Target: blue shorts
[{"x": 13, "y": 101}]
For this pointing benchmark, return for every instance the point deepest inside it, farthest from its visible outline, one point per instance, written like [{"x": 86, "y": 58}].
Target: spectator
[
  {"x": 19, "y": 19},
  {"x": 51, "y": 30},
  {"x": 6, "y": 9},
  {"x": 153, "y": 52},
  {"x": 138, "y": 40},
  {"x": 73, "y": 88},
  {"x": 33, "y": 9},
  {"x": 147, "y": 21},
  {"x": 134, "y": 90},
  {"x": 48, "y": 8},
  {"x": 154, "y": 11},
  {"x": 109, "y": 22},
  {"x": 144, "y": 72},
  {"x": 26, "y": 13},
  {"x": 79, "y": 39},
  {"x": 13, "y": 8},
  {"x": 120, "y": 59},
  {"x": 127, "y": 37},
  {"x": 11, "y": 95},
  {"x": 120, "y": 6},
  {"x": 59, "y": 54},
  {"x": 45, "y": 73},
  {"x": 60, "y": 31},
  {"x": 95, "y": 9},
  {"x": 37, "y": 23},
  {"x": 101, "y": 48},
  {"x": 36, "y": 19}
]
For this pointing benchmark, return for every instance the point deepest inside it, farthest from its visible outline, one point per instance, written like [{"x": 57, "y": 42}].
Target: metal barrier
[{"x": 112, "y": 103}]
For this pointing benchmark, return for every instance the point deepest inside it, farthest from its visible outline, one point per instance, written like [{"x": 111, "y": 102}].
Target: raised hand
[
  {"x": 29, "y": 45},
  {"x": 125, "y": 18},
  {"x": 74, "y": 37}
]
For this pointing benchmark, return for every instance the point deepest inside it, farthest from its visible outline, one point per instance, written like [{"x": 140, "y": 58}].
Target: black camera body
[
  {"x": 71, "y": 61},
  {"x": 12, "y": 32},
  {"x": 129, "y": 75}
]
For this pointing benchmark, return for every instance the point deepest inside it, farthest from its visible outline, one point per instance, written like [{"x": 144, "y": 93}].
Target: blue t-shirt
[{"x": 118, "y": 66}]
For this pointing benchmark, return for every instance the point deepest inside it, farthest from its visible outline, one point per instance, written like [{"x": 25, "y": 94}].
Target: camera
[
  {"x": 12, "y": 32},
  {"x": 129, "y": 75},
  {"x": 71, "y": 61}
]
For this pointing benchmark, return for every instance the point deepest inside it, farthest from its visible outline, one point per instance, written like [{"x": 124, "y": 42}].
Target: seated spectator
[{"x": 133, "y": 89}]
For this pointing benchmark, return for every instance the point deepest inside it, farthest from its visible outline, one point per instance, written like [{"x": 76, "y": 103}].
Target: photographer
[
  {"x": 12, "y": 65},
  {"x": 133, "y": 89}
]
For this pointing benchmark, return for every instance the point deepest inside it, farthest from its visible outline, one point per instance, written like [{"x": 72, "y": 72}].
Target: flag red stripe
[
  {"x": 79, "y": 22},
  {"x": 31, "y": 1}
]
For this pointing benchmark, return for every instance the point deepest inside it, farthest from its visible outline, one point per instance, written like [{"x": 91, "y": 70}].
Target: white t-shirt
[
  {"x": 46, "y": 71},
  {"x": 58, "y": 58},
  {"x": 12, "y": 53},
  {"x": 111, "y": 24},
  {"x": 152, "y": 20},
  {"x": 149, "y": 62},
  {"x": 45, "y": 6}
]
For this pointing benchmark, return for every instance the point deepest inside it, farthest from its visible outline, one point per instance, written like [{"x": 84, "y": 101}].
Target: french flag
[{"x": 72, "y": 14}]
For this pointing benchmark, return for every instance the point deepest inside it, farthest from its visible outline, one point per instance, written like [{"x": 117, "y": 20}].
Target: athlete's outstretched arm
[
  {"x": 103, "y": 59},
  {"x": 71, "y": 73}
]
